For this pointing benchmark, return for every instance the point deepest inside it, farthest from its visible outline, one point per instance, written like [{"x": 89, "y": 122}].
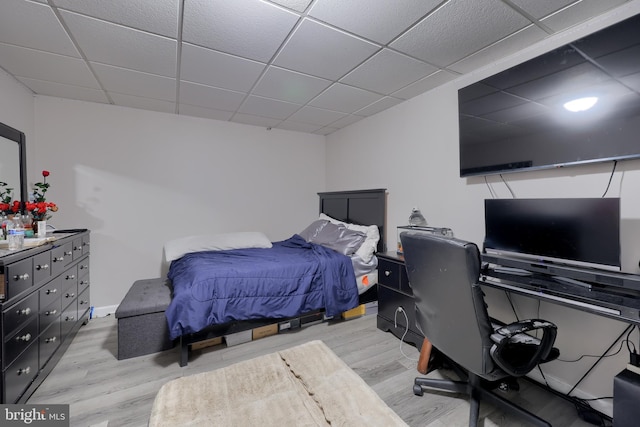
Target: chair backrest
[{"x": 450, "y": 310}]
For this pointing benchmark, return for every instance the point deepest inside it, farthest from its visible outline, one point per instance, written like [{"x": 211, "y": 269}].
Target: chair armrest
[{"x": 516, "y": 352}]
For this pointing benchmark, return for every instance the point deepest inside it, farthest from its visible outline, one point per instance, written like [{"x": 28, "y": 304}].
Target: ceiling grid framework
[{"x": 312, "y": 66}]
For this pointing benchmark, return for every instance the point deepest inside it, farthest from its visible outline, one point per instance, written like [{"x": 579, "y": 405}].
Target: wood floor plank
[{"x": 105, "y": 392}]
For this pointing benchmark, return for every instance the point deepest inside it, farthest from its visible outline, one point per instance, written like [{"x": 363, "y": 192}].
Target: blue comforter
[{"x": 291, "y": 278}]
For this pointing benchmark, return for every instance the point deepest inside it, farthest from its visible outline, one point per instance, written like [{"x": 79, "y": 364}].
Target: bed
[{"x": 223, "y": 292}]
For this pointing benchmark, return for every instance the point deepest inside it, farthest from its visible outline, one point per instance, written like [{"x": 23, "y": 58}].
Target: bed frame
[{"x": 365, "y": 207}]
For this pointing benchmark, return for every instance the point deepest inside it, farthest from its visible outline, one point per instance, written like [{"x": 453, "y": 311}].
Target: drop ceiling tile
[
  {"x": 124, "y": 47},
  {"x": 541, "y": 8},
  {"x": 289, "y": 86},
  {"x": 249, "y": 119},
  {"x": 298, "y": 5},
  {"x": 501, "y": 49},
  {"x": 316, "y": 116},
  {"x": 346, "y": 121},
  {"x": 423, "y": 85},
  {"x": 388, "y": 71},
  {"x": 125, "y": 81},
  {"x": 248, "y": 28},
  {"x": 298, "y": 127},
  {"x": 377, "y": 20},
  {"x": 65, "y": 91},
  {"x": 266, "y": 107},
  {"x": 50, "y": 35},
  {"x": 312, "y": 50},
  {"x": 35, "y": 64},
  {"x": 206, "y": 113},
  {"x": 579, "y": 12},
  {"x": 460, "y": 28},
  {"x": 210, "y": 97},
  {"x": 158, "y": 17},
  {"x": 380, "y": 105},
  {"x": 142, "y": 103},
  {"x": 212, "y": 68},
  {"x": 325, "y": 130},
  {"x": 343, "y": 98}
]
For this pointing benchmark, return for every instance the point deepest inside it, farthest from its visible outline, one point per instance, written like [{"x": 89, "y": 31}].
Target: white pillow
[
  {"x": 369, "y": 246},
  {"x": 177, "y": 248}
]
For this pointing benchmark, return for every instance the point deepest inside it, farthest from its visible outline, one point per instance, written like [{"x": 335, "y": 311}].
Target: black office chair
[{"x": 451, "y": 313}]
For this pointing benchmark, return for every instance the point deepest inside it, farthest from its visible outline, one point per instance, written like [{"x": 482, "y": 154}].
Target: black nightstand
[{"x": 395, "y": 299}]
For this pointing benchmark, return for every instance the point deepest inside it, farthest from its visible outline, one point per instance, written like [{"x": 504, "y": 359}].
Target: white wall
[
  {"x": 137, "y": 179},
  {"x": 16, "y": 105},
  {"x": 412, "y": 150}
]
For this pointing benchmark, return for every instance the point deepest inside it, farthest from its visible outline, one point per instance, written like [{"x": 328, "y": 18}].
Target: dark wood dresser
[
  {"x": 395, "y": 299},
  {"x": 44, "y": 298}
]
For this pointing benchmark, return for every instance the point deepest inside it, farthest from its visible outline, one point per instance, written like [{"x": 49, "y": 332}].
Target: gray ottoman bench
[{"x": 142, "y": 325}]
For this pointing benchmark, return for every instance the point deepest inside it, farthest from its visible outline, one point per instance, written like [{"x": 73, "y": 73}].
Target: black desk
[{"x": 605, "y": 293}]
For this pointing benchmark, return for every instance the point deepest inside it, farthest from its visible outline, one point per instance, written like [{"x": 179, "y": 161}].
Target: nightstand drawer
[{"x": 389, "y": 273}]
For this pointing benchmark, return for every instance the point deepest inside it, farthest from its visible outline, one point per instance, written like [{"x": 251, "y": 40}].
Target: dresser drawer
[
  {"x": 49, "y": 342},
  {"x": 388, "y": 303},
  {"x": 68, "y": 319},
  {"x": 83, "y": 275},
  {"x": 61, "y": 256},
  {"x": 19, "y": 341},
  {"x": 84, "y": 302},
  {"x": 19, "y": 314},
  {"x": 69, "y": 284},
  {"x": 50, "y": 292},
  {"x": 41, "y": 267},
  {"x": 20, "y": 373},
  {"x": 19, "y": 277},
  {"x": 50, "y": 313}
]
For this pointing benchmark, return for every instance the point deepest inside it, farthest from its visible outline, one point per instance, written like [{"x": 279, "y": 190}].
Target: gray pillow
[
  {"x": 313, "y": 229},
  {"x": 339, "y": 238}
]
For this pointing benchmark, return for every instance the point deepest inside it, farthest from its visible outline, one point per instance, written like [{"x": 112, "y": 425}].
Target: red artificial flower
[{"x": 45, "y": 173}]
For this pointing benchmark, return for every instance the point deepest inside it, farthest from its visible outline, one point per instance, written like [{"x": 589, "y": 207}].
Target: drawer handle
[
  {"x": 70, "y": 295},
  {"x": 58, "y": 259},
  {"x": 25, "y": 311},
  {"x": 50, "y": 340},
  {"x": 387, "y": 273},
  {"x": 51, "y": 291},
  {"x": 42, "y": 267},
  {"x": 24, "y": 276},
  {"x": 84, "y": 282},
  {"x": 84, "y": 267},
  {"x": 24, "y": 371},
  {"x": 71, "y": 277},
  {"x": 77, "y": 248},
  {"x": 84, "y": 302},
  {"x": 51, "y": 312},
  {"x": 68, "y": 253},
  {"x": 69, "y": 318},
  {"x": 26, "y": 338}
]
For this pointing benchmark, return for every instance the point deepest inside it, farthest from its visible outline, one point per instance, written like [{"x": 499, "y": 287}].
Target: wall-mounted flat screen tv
[
  {"x": 579, "y": 103},
  {"x": 574, "y": 231}
]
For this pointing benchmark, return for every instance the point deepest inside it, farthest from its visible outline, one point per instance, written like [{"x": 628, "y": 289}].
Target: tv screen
[
  {"x": 576, "y": 231},
  {"x": 536, "y": 115}
]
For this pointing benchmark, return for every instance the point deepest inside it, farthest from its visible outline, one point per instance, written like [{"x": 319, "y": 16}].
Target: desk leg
[{"x": 425, "y": 353}]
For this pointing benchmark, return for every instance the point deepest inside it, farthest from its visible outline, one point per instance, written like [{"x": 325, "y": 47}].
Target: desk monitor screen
[{"x": 576, "y": 231}]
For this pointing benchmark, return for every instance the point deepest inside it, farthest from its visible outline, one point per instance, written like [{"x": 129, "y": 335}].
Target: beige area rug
[{"x": 307, "y": 385}]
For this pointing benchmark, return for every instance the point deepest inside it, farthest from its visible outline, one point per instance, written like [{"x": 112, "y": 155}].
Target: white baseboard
[
  {"x": 108, "y": 310},
  {"x": 604, "y": 406}
]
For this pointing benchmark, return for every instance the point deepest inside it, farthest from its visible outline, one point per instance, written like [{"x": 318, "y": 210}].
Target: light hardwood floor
[{"x": 103, "y": 391}]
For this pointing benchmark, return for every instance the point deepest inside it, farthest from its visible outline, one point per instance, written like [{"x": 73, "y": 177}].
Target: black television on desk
[{"x": 581, "y": 232}]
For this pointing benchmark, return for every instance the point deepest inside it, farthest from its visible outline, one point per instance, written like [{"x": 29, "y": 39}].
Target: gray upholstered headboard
[{"x": 364, "y": 207}]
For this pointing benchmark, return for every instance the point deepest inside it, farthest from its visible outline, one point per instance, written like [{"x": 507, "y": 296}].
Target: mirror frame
[{"x": 18, "y": 137}]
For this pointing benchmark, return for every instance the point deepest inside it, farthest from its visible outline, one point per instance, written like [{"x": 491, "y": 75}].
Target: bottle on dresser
[{"x": 15, "y": 233}]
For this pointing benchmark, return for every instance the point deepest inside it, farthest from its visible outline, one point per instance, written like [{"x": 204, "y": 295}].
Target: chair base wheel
[{"x": 417, "y": 390}]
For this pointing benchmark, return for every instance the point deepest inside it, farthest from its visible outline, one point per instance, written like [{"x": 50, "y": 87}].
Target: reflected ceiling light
[{"x": 581, "y": 104}]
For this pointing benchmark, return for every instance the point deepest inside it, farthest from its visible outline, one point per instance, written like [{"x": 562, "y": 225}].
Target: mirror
[{"x": 13, "y": 162}]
